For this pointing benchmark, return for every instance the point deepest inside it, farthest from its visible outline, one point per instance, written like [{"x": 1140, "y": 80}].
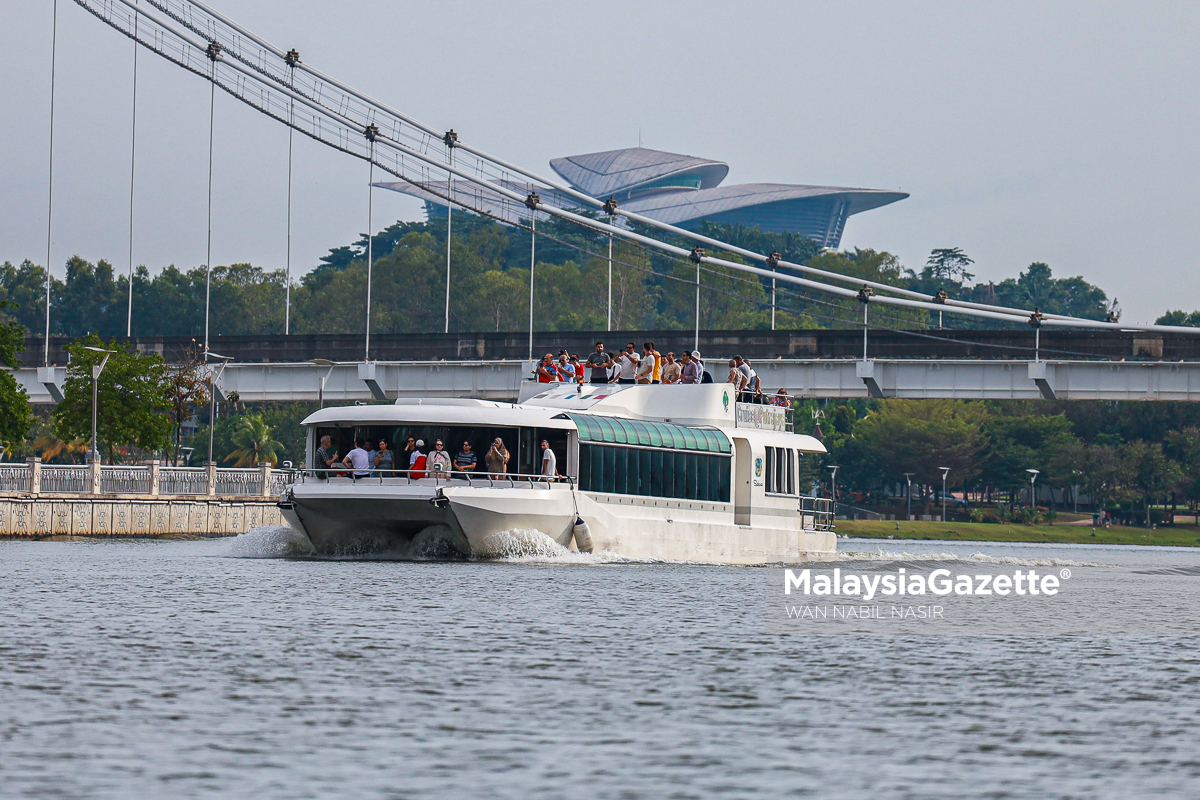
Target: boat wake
[
  {"x": 902, "y": 559},
  {"x": 269, "y": 541}
]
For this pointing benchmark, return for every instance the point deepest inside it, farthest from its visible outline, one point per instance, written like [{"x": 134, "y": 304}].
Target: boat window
[{"x": 655, "y": 472}]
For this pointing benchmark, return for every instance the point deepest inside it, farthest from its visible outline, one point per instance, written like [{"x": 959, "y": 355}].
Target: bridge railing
[{"x": 152, "y": 479}]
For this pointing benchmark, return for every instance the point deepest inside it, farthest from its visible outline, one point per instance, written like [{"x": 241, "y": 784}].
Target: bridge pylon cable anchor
[
  {"x": 865, "y": 294},
  {"x": 371, "y": 132},
  {"x": 213, "y": 51},
  {"x": 697, "y": 255},
  {"x": 610, "y": 206},
  {"x": 450, "y": 139},
  {"x": 292, "y": 58},
  {"x": 533, "y": 201}
]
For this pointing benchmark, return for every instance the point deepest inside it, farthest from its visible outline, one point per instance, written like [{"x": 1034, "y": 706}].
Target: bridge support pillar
[
  {"x": 366, "y": 374},
  {"x": 48, "y": 377},
  {"x": 1042, "y": 374},
  {"x": 865, "y": 370}
]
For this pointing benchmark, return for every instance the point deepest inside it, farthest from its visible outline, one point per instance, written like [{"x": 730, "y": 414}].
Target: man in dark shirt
[
  {"x": 599, "y": 362},
  {"x": 465, "y": 461}
]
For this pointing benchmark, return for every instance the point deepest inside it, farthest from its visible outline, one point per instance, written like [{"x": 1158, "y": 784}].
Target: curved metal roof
[
  {"x": 615, "y": 430},
  {"x": 684, "y": 206},
  {"x": 602, "y": 174}
]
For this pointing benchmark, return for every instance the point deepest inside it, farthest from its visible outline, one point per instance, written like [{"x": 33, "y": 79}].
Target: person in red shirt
[{"x": 546, "y": 371}]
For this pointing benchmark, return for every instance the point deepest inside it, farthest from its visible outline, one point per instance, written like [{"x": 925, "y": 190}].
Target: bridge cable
[
  {"x": 212, "y": 101},
  {"x": 287, "y": 291},
  {"x": 370, "y": 240},
  {"x": 132, "y": 166},
  {"x": 50, "y": 201},
  {"x": 966, "y": 308}
]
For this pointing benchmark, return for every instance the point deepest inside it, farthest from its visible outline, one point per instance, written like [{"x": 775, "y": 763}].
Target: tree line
[
  {"x": 1119, "y": 455},
  {"x": 490, "y": 287}
]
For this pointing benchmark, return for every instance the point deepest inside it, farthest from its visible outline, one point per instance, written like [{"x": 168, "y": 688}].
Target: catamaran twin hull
[
  {"x": 655, "y": 472},
  {"x": 454, "y": 520}
]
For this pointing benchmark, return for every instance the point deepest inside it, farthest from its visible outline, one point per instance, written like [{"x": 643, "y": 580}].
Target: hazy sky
[{"x": 1064, "y": 133}]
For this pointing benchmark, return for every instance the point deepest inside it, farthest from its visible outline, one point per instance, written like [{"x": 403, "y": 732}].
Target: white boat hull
[{"x": 426, "y": 520}]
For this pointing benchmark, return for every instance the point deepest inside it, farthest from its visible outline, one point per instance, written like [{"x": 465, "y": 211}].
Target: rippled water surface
[{"x": 178, "y": 669}]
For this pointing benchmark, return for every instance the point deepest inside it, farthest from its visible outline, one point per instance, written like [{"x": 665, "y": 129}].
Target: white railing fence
[{"x": 34, "y": 477}]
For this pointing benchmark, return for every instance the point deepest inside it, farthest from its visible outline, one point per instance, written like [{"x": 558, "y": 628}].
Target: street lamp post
[
  {"x": 945, "y": 472},
  {"x": 324, "y": 362},
  {"x": 908, "y": 491},
  {"x": 212, "y": 396},
  {"x": 1033, "y": 473},
  {"x": 833, "y": 488},
  {"x": 94, "y": 454}
]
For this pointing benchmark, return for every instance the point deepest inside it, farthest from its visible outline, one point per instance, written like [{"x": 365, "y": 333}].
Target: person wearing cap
[
  {"x": 705, "y": 377},
  {"x": 416, "y": 462},
  {"x": 549, "y": 462}
]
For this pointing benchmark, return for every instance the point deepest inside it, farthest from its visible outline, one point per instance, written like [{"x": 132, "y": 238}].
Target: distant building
[{"x": 676, "y": 189}]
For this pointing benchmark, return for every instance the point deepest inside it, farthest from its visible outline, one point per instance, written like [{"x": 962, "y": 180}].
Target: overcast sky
[{"x": 1064, "y": 133}]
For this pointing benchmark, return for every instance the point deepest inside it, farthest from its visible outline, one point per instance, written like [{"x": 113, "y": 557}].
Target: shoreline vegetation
[{"x": 1180, "y": 535}]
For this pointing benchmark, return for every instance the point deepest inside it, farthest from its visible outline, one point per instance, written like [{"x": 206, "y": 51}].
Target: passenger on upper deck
[
  {"x": 599, "y": 362},
  {"x": 547, "y": 371},
  {"x": 690, "y": 372},
  {"x": 628, "y": 362},
  {"x": 670, "y": 369}
]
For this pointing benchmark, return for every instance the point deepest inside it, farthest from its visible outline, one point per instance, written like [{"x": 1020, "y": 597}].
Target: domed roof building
[{"x": 677, "y": 189}]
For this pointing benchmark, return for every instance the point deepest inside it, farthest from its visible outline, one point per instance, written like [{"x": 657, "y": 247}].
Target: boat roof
[
  {"x": 705, "y": 405},
  {"x": 441, "y": 410}
]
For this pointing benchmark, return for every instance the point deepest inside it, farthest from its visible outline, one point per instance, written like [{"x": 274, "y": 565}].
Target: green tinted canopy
[{"x": 611, "y": 430}]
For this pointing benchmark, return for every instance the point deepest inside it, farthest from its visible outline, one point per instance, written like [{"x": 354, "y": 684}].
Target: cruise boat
[{"x": 680, "y": 472}]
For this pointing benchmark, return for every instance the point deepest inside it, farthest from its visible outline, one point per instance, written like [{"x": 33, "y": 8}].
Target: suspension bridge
[{"x": 448, "y": 166}]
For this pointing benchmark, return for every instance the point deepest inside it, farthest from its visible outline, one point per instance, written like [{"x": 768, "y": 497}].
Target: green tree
[
  {"x": 1183, "y": 318},
  {"x": 16, "y": 415},
  {"x": 185, "y": 387},
  {"x": 1020, "y": 439},
  {"x": 255, "y": 444},
  {"x": 1152, "y": 472},
  {"x": 920, "y": 436},
  {"x": 132, "y": 409}
]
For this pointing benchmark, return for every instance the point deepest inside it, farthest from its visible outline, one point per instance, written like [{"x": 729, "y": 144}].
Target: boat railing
[
  {"x": 426, "y": 477},
  {"x": 816, "y": 513}
]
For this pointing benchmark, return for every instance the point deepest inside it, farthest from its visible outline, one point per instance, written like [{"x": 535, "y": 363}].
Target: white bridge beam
[{"x": 501, "y": 380}]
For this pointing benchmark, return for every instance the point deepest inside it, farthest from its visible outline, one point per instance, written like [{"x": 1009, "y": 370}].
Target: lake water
[{"x": 145, "y": 668}]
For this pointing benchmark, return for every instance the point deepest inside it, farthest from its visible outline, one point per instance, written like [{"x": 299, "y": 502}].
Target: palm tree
[{"x": 255, "y": 445}]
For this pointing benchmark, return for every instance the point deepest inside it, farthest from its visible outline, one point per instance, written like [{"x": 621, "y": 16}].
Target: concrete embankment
[{"x": 113, "y": 515}]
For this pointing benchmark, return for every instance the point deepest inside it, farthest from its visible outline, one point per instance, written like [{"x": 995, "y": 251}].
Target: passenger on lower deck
[
  {"x": 465, "y": 460},
  {"x": 358, "y": 461}
]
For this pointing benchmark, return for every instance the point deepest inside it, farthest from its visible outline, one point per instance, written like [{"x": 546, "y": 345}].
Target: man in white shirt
[
  {"x": 627, "y": 361},
  {"x": 645, "y": 368},
  {"x": 549, "y": 462},
  {"x": 358, "y": 460}
]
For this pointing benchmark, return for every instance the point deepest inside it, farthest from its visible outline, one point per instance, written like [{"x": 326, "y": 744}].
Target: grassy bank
[{"x": 1180, "y": 535}]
